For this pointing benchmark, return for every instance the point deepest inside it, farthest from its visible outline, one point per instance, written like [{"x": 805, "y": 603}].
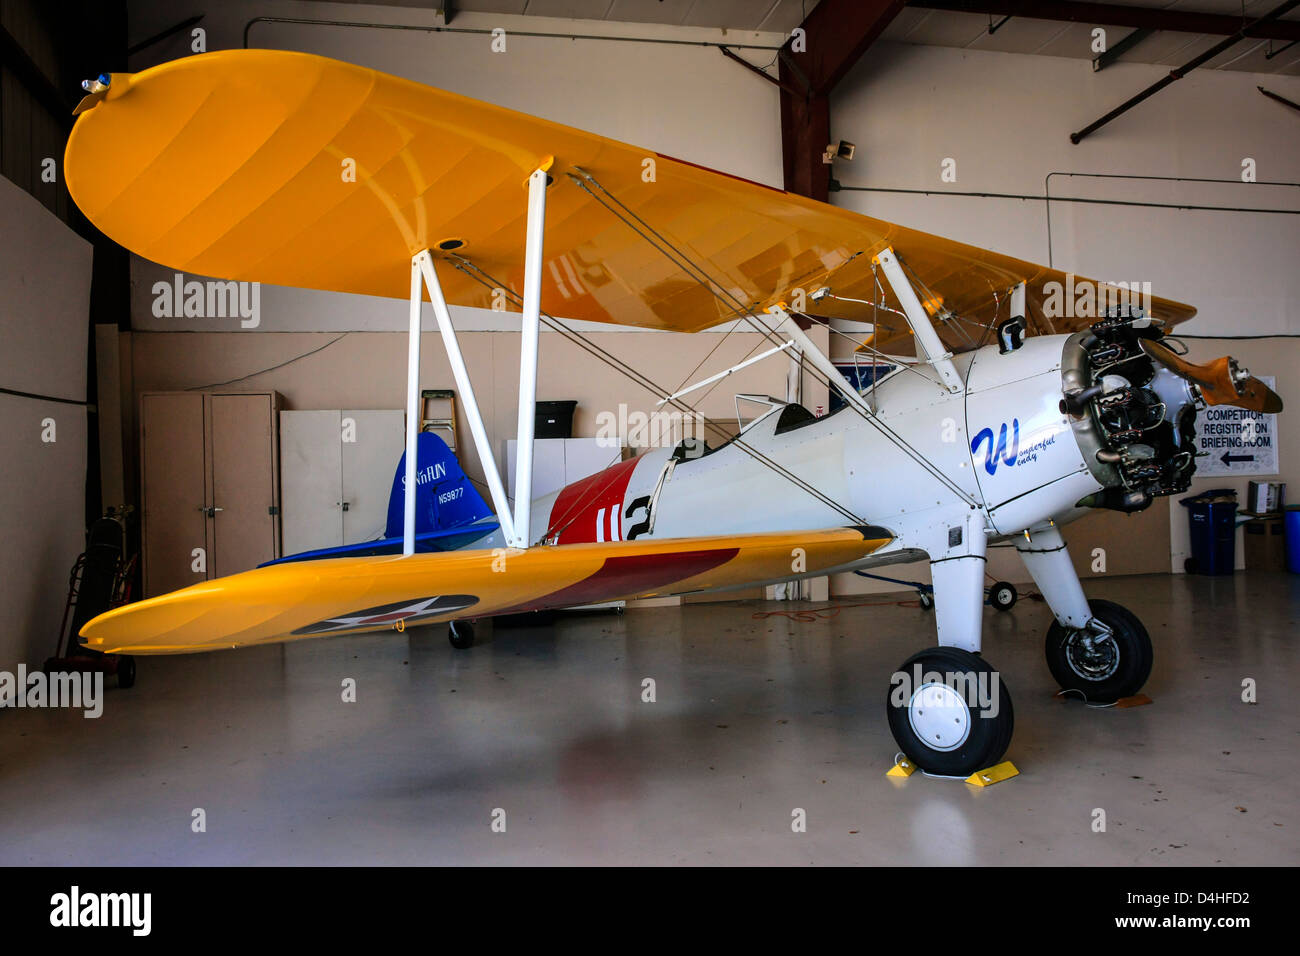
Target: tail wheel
[
  {"x": 1103, "y": 664},
  {"x": 950, "y": 712},
  {"x": 461, "y": 634},
  {"x": 1002, "y": 596},
  {"x": 126, "y": 671}
]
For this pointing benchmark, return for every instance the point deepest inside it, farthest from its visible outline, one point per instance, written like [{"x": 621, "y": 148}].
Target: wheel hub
[
  {"x": 940, "y": 716},
  {"x": 1092, "y": 656}
]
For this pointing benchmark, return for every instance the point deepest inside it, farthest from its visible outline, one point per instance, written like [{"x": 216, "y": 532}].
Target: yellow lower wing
[{"x": 348, "y": 595}]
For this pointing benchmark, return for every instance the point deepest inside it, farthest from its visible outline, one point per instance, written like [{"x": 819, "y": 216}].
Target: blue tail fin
[
  {"x": 444, "y": 502},
  {"x": 444, "y": 497}
]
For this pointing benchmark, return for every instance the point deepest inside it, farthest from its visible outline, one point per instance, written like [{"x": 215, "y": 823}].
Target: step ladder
[{"x": 438, "y": 414}]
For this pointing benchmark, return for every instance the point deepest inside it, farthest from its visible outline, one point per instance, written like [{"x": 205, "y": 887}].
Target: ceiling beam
[
  {"x": 32, "y": 78},
  {"x": 836, "y": 34},
  {"x": 1111, "y": 54},
  {"x": 805, "y": 132},
  {"x": 816, "y": 57},
  {"x": 1114, "y": 14}
]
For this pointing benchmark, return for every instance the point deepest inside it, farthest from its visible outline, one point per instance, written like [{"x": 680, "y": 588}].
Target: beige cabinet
[
  {"x": 209, "y": 485},
  {"x": 336, "y": 475}
]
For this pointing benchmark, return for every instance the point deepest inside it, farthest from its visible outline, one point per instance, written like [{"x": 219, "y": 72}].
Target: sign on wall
[{"x": 1236, "y": 441}]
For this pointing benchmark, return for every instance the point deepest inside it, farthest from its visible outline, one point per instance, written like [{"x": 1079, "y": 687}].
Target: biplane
[{"x": 991, "y": 417}]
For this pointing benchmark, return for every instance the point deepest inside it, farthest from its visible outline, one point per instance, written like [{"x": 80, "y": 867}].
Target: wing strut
[
  {"x": 927, "y": 339},
  {"x": 515, "y": 522},
  {"x": 528, "y": 354},
  {"x": 783, "y": 323}
]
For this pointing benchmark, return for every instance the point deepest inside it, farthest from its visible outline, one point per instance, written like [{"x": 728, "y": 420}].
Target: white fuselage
[{"x": 1000, "y": 451}]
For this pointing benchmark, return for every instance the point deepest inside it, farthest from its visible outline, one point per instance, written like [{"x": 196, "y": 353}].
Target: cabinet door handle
[
  {"x": 344, "y": 504},
  {"x": 211, "y": 512}
]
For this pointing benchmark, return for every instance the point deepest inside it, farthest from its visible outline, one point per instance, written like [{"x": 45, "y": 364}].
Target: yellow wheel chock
[{"x": 904, "y": 768}]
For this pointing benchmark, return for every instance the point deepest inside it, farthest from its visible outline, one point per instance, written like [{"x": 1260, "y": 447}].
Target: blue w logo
[{"x": 991, "y": 455}]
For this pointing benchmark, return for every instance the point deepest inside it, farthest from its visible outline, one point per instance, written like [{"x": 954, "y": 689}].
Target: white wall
[
  {"x": 686, "y": 101},
  {"x": 1006, "y": 118},
  {"x": 44, "y": 298}
]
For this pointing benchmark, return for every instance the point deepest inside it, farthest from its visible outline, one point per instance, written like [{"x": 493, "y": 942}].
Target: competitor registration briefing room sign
[{"x": 1235, "y": 441}]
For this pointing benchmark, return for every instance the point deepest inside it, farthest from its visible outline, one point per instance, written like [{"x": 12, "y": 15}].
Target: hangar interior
[{"x": 220, "y": 426}]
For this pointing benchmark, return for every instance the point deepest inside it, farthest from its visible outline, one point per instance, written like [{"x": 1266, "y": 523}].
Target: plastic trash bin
[
  {"x": 1292, "y": 523},
  {"x": 1212, "y": 525}
]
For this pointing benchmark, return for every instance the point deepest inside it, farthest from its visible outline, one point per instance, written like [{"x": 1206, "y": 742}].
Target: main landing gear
[
  {"x": 1108, "y": 659},
  {"x": 949, "y": 710},
  {"x": 1095, "y": 648}
]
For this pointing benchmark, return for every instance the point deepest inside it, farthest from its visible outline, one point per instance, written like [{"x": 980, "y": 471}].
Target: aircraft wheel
[
  {"x": 936, "y": 713},
  {"x": 1002, "y": 596},
  {"x": 126, "y": 671},
  {"x": 926, "y": 599},
  {"x": 1103, "y": 669},
  {"x": 461, "y": 634}
]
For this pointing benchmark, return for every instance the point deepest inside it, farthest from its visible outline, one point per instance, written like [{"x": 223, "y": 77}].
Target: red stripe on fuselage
[{"x": 592, "y": 509}]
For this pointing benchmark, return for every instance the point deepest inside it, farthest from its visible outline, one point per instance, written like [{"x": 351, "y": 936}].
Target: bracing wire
[
  {"x": 484, "y": 278},
  {"x": 744, "y": 313}
]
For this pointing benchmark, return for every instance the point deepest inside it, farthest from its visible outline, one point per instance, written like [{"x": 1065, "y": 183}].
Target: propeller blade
[{"x": 1217, "y": 380}]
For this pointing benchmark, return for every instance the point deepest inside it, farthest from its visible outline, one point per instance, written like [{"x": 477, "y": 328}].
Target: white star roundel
[{"x": 388, "y": 615}]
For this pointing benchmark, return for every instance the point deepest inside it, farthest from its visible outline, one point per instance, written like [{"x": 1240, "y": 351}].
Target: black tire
[
  {"x": 926, "y": 599},
  {"x": 987, "y": 731},
  {"x": 1002, "y": 596},
  {"x": 1118, "y": 667},
  {"x": 461, "y": 634},
  {"x": 126, "y": 671}
]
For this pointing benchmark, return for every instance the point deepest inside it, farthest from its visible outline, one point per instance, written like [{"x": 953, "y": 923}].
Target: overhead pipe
[
  {"x": 1114, "y": 15},
  {"x": 1281, "y": 99},
  {"x": 434, "y": 28},
  {"x": 1182, "y": 71}
]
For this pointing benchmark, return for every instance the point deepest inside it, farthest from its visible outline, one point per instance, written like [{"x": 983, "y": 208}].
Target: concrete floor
[{"x": 754, "y": 718}]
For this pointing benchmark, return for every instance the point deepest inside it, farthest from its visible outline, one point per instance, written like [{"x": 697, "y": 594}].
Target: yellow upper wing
[
  {"x": 348, "y": 595},
  {"x": 299, "y": 170}
]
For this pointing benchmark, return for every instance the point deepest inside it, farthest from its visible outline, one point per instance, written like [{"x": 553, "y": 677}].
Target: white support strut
[
  {"x": 424, "y": 262},
  {"x": 532, "y": 305},
  {"x": 1018, "y": 301},
  {"x": 723, "y": 374},
  {"x": 927, "y": 339},
  {"x": 412, "y": 410},
  {"x": 788, "y": 326}
]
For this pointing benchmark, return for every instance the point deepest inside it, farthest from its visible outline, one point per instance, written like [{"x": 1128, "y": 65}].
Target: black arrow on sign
[{"x": 1229, "y": 459}]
